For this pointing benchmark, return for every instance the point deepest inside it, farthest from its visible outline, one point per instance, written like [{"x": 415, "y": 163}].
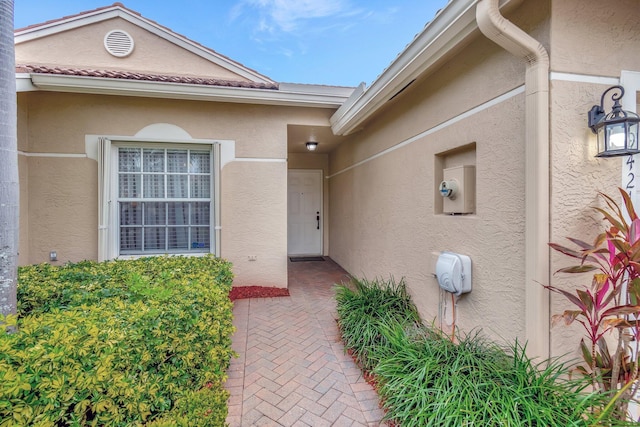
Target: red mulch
[{"x": 242, "y": 292}]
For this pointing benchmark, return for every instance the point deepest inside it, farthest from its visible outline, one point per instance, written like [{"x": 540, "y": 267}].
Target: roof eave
[
  {"x": 452, "y": 26},
  {"x": 182, "y": 91}
]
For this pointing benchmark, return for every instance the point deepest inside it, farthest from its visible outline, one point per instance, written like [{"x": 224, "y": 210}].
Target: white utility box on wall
[
  {"x": 462, "y": 200},
  {"x": 453, "y": 272}
]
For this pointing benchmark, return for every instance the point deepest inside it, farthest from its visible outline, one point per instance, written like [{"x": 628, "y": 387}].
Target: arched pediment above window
[{"x": 163, "y": 131}]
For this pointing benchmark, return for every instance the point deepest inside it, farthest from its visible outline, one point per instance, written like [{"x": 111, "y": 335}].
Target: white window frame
[{"x": 108, "y": 215}]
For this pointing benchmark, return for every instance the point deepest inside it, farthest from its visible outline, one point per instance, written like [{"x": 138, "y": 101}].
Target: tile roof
[
  {"x": 129, "y": 75},
  {"x": 64, "y": 18}
]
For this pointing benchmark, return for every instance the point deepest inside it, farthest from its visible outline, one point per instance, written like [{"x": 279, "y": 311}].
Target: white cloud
[{"x": 290, "y": 15}]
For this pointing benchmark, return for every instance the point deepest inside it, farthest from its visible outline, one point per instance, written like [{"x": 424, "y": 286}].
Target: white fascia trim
[
  {"x": 452, "y": 26},
  {"x": 342, "y": 91},
  {"x": 117, "y": 12},
  {"x": 23, "y": 83},
  {"x": 105, "y": 86}
]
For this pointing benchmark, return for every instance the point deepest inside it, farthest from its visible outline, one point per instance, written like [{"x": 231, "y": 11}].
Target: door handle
[{"x": 318, "y": 219}]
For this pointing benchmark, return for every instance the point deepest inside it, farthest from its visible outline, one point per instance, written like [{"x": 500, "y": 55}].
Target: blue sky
[{"x": 332, "y": 42}]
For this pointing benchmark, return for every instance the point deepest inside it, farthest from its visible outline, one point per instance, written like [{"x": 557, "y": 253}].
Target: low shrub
[
  {"x": 119, "y": 343},
  {"x": 362, "y": 305},
  {"x": 431, "y": 381},
  {"x": 426, "y": 379}
]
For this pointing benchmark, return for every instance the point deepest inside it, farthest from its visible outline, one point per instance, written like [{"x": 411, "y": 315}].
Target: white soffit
[
  {"x": 452, "y": 25},
  {"x": 116, "y": 11}
]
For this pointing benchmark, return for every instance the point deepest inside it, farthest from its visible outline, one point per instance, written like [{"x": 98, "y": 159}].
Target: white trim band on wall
[
  {"x": 259, "y": 160},
  {"x": 54, "y": 155},
  {"x": 584, "y": 78}
]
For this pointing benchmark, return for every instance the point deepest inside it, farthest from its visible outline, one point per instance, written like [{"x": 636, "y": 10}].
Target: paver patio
[{"x": 292, "y": 369}]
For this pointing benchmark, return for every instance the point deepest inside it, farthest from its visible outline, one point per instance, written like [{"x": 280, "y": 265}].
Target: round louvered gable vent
[{"x": 118, "y": 43}]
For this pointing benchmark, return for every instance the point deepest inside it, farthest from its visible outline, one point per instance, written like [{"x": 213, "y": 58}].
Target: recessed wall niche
[{"x": 452, "y": 160}]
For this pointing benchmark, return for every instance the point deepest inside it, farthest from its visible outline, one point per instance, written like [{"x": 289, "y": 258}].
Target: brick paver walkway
[{"x": 292, "y": 369}]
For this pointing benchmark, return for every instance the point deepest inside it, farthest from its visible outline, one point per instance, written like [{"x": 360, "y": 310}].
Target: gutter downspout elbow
[{"x": 514, "y": 40}]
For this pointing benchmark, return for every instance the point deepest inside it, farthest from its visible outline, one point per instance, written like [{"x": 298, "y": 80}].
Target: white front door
[{"x": 304, "y": 229}]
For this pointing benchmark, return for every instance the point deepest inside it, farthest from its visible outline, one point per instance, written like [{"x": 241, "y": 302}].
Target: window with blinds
[{"x": 164, "y": 200}]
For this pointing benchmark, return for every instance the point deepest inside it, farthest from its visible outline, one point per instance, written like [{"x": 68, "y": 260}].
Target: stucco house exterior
[{"x": 134, "y": 139}]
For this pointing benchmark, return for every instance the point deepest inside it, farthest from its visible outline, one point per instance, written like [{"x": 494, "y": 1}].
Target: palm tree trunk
[{"x": 9, "y": 190}]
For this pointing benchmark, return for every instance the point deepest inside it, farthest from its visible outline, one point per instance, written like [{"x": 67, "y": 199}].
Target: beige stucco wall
[
  {"x": 254, "y": 222},
  {"x": 60, "y": 192},
  {"x": 595, "y": 37},
  {"x": 318, "y": 162},
  {"x": 583, "y": 42},
  {"x": 23, "y": 243},
  {"x": 62, "y": 197},
  {"x": 386, "y": 215},
  {"x": 576, "y": 178},
  {"x": 384, "y": 220},
  {"x": 23, "y": 176},
  {"x": 151, "y": 53}
]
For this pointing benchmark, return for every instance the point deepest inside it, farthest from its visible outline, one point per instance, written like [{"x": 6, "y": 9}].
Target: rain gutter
[{"x": 537, "y": 299}]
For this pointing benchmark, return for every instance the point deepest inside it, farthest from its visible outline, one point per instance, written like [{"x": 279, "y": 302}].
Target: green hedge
[{"x": 119, "y": 343}]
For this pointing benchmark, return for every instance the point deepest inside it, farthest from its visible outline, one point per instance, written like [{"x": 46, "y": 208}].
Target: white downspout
[{"x": 511, "y": 38}]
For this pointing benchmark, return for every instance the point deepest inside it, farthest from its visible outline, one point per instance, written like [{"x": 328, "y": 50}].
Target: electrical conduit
[{"x": 537, "y": 299}]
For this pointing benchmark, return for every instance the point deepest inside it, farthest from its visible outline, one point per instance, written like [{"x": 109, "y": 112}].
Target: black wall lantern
[{"x": 617, "y": 131}]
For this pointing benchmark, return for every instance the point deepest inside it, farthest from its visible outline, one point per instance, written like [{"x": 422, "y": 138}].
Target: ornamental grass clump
[
  {"x": 424, "y": 378},
  {"x": 121, "y": 343},
  {"x": 429, "y": 380},
  {"x": 362, "y": 306}
]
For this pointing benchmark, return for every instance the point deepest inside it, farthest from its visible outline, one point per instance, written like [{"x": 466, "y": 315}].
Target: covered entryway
[{"x": 304, "y": 226}]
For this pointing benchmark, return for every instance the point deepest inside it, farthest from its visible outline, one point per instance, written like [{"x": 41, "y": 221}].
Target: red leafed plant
[{"x": 610, "y": 308}]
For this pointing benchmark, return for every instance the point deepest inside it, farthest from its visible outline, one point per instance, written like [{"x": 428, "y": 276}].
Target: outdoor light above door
[
  {"x": 311, "y": 146},
  {"x": 618, "y": 130}
]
